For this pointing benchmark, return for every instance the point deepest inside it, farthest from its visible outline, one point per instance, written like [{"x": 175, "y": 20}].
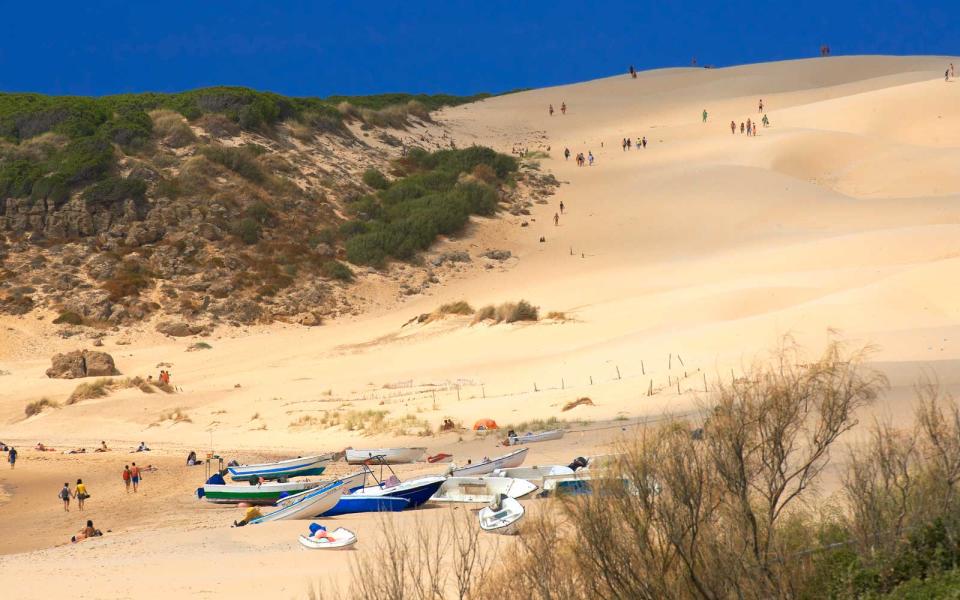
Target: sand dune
[{"x": 704, "y": 248}]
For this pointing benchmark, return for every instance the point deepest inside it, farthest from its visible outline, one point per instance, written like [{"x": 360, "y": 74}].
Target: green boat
[{"x": 263, "y": 494}]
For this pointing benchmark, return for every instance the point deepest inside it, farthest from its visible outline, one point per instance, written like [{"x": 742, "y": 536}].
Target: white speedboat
[
  {"x": 481, "y": 489},
  {"x": 533, "y": 474},
  {"x": 307, "y": 506},
  {"x": 513, "y": 459},
  {"x": 532, "y": 438},
  {"x": 387, "y": 456},
  {"x": 503, "y": 516}
]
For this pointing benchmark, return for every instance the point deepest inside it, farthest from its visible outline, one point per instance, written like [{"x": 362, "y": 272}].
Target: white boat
[
  {"x": 503, "y": 516},
  {"x": 481, "y": 489},
  {"x": 283, "y": 469},
  {"x": 416, "y": 491},
  {"x": 342, "y": 538},
  {"x": 531, "y": 438},
  {"x": 307, "y": 506},
  {"x": 513, "y": 459},
  {"x": 533, "y": 474},
  {"x": 388, "y": 456},
  {"x": 261, "y": 493}
]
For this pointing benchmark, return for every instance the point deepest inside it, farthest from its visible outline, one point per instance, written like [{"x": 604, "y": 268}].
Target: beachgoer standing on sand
[
  {"x": 644, "y": 141},
  {"x": 126, "y": 477},
  {"x": 623, "y": 144},
  {"x": 590, "y": 157},
  {"x": 733, "y": 127},
  {"x": 135, "y": 476},
  {"x": 563, "y": 107},
  {"x": 65, "y": 495},
  {"x": 566, "y": 154},
  {"x": 766, "y": 121},
  {"x": 629, "y": 144},
  {"x": 551, "y": 110},
  {"x": 742, "y": 126},
  {"x": 704, "y": 115},
  {"x": 81, "y": 493},
  {"x": 761, "y": 105},
  {"x": 946, "y": 75},
  {"x": 556, "y": 219},
  {"x": 12, "y": 457},
  {"x": 561, "y": 207}
]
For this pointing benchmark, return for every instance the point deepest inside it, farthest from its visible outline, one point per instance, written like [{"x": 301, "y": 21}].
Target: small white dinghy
[
  {"x": 342, "y": 538},
  {"x": 503, "y": 516},
  {"x": 513, "y": 459},
  {"x": 387, "y": 456},
  {"x": 534, "y": 474},
  {"x": 481, "y": 489}
]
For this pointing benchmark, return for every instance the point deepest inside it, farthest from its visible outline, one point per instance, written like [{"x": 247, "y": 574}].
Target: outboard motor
[{"x": 578, "y": 463}]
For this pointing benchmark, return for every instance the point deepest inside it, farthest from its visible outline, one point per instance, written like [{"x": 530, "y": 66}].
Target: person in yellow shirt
[
  {"x": 80, "y": 493},
  {"x": 252, "y": 513}
]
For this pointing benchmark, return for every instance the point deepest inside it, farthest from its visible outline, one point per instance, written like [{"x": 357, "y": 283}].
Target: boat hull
[
  {"x": 416, "y": 491},
  {"x": 360, "y": 504},
  {"x": 533, "y": 438},
  {"x": 506, "y": 521},
  {"x": 265, "y": 494},
  {"x": 284, "y": 469},
  {"x": 318, "y": 501},
  {"x": 344, "y": 538}
]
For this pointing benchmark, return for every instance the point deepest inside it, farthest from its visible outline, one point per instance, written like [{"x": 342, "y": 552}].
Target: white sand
[{"x": 843, "y": 214}]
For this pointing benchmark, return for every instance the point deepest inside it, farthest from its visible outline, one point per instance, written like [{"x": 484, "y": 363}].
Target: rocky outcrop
[
  {"x": 178, "y": 328},
  {"x": 81, "y": 363}
]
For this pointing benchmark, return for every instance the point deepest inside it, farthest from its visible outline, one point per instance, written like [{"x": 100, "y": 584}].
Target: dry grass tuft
[
  {"x": 92, "y": 389},
  {"x": 36, "y": 407},
  {"x": 508, "y": 312},
  {"x": 177, "y": 415},
  {"x": 575, "y": 403},
  {"x": 368, "y": 422}
]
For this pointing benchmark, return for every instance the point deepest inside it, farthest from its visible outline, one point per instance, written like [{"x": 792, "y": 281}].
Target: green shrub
[
  {"x": 239, "y": 160},
  {"x": 17, "y": 178},
  {"x": 114, "y": 190},
  {"x": 248, "y": 230},
  {"x": 36, "y": 407},
  {"x": 375, "y": 179},
  {"x": 334, "y": 269}
]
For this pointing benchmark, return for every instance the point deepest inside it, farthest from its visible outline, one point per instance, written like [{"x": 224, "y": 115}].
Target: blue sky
[{"x": 323, "y": 48}]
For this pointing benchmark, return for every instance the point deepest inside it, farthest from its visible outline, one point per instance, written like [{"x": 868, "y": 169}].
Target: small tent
[{"x": 483, "y": 424}]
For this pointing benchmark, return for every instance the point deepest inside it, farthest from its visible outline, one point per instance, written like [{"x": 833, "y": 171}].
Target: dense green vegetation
[
  {"x": 430, "y": 198},
  {"x": 86, "y": 131}
]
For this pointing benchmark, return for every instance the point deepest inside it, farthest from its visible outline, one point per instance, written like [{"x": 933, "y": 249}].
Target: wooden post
[
  {"x": 618, "y": 372},
  {"x": 680, "y": 358},
  {"x": 563, "y": 384},
  {"x": 483, "y": 390},
  {"x": 591, "y": 380},
  {"x": 458, "y": 392},
  {"x": 670, "y": 361},
  {"x": 650, "y": 388},
  {"x": 535, "y": 387},
  {"x": 732, "y": 378},
  {"x": 643, "y": 370},
  {"x": 434, "y": 399},
  {"x": 678, "y": 385},
  {"x": 705, "y": 382},
  {"x": 669, "y": 380}
]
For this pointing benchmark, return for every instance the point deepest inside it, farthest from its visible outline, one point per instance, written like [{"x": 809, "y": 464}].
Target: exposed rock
[
  {"x": 310, "y": 319},
  {"x": 500, "y": 255},
  {"x": 178, "y": 328},
  {"x": 81, "y": 363},
  {"x": 456, "y": 256}
]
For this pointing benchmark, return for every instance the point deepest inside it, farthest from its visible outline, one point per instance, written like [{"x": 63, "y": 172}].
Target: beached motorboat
[
  {"x": 342, "y": 538},
  {"x": 513, "y": 459},
  {"x": 533, "y": 474},
  {"x": 532, "y": 438},
  {"x": 350, "y": 504},
  {"x": 481, "y": 489},
  {"x": 388, "y": 456},
  {"x": 283, "y": 469},
  {"x": 583, "y": 483},
  {"x": 416, "y": 491},
  {"x": 350, "y": 483},
  {"x": 257, "y": 494},
  {"x": 307, "y": 506},
  {"x": 503, "y": 516}
]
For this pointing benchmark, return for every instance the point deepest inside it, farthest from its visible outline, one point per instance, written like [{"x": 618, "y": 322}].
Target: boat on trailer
[
  {"x": 532, "y": 438},
  {"x": 482, "y": 489},
  {"x": 388, "y": 456},
  {"x": 513, "y": 459}
]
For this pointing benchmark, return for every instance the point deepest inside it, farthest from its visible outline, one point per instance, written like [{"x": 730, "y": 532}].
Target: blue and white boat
[
  {"x": 307, "y": 506},
  {"x": 416, "y": 491},
  {"x": 350, "y": 504},
  {"x": 284, "y": 469}
]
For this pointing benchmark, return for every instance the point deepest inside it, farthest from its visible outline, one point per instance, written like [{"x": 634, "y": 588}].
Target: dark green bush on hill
[
  {"x": 113, "y": 190},
  {"x": 375, "y": 179},
  {"x": 431, "y": 200}
]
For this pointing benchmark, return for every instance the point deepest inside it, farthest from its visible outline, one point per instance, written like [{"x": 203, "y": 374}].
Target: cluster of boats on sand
[{"x": 498, "y": 482}]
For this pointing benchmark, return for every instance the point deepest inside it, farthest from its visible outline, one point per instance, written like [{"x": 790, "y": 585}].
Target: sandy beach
[{"x": 676, "y": 266}]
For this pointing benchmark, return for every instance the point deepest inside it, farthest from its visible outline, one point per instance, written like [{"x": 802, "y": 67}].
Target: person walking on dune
[
  {"x": 126, "y": 477},
  {"x": 766, "y": 121},
  {"x": 551, "y": 110},
  {"x": 80, "y": 493},
  {"x": 644, "y": 141},
  {"x": 556, "y": 219},
  {"x": 65, "y": 495},
  {"x": 733, "y": 127},
  {"x": 742, "y": 127},
  {"x": 561, "y": 207},
  {"x": 628, "y": 144},
  {"x": 761, "y": 105},
  {"x": 704, "y": 115},
  {"x": 563, "y": 108},
  {"x": 749, "y": 127},
  {"x": 12, "y": 457},
  {"x": 135, "y": 476},
  {"x": 590, "y": 157},
  {"x": 566, "y": 154}
]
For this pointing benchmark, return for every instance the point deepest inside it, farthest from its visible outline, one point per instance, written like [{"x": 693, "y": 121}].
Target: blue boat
[
  {"x": 416, "y": 491},
  {"x": 358, "y": 504}
]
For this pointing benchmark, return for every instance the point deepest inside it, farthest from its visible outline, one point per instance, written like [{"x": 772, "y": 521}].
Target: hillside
[{"x": 215, "y": 205}]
